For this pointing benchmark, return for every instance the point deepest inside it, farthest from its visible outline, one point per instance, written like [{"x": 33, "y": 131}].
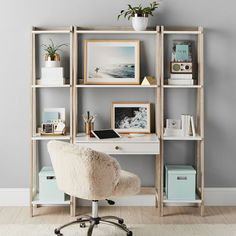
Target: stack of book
[{"x": 181, "y": 79}]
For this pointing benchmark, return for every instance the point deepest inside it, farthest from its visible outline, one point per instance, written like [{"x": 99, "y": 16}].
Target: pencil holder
[{"x": 89, "y": 126}]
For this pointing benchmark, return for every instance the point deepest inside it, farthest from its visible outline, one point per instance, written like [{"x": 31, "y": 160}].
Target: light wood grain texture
[
  {"x": 132, "y": 215},
  {"x": 199, "y": 119}
]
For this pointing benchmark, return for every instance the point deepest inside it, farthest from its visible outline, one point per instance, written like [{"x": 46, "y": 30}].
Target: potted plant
[
  {"x": 139, "y": 15},
  {"x": 52, "y": 57}
]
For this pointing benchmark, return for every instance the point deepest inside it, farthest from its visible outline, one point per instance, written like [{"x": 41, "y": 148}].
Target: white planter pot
[
  {"x": 52, "y": 63},
  {"x": 139, "y": 23}
]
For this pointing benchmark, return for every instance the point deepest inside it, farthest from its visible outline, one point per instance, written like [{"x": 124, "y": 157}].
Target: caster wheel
[
  {"x": 130, "y": 233},
  {"x": 57, "y": 232},
  {"x": 121, "y": 221},
  {"x": 82, "y": 225}
]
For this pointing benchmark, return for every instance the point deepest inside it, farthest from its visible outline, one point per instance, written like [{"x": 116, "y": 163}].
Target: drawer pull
[
  {"x": 51, "y": 177},
  {"x": 117, "y": 147},
  {"x": 181, "y": 177}
]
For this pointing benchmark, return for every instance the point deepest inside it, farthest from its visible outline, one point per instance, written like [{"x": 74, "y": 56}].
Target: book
[
  {"x": 181, "y": 76},
  {"x": 185, "y": 121},
  {"x": 192, "y": 126},
  {"x": 180, "y": 82},
  {"x": 182, "y": 50},
  {"x": 44, "y": 81},
  {"x": 52, "y": 72}
]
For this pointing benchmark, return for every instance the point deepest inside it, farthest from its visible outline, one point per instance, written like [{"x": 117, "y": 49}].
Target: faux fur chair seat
[{"x": 88, "y": 174}]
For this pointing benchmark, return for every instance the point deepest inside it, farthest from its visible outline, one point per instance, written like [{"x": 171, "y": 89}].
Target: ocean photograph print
[{"x": 111, "y": 62}]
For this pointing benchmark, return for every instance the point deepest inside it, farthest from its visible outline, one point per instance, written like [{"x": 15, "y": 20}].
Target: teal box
[
  {"x": 48, "y": 190},
  {"x": 180, "y": 181}
]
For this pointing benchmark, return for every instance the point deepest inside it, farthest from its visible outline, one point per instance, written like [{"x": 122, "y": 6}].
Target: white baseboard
[
  {"x": 213, "y": 197},
  {"x": 220, "y": 196},
  {"x": 14, "y": 197}
]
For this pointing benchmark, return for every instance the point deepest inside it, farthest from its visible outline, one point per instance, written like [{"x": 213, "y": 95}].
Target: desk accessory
[
  {"x": 105, "y": 134},
  {"x": 53, "y": 122},
  {"x": 89, "y": 123}
]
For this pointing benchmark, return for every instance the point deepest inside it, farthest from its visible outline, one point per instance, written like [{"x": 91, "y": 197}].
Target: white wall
[{"x": 16, "y": 19}]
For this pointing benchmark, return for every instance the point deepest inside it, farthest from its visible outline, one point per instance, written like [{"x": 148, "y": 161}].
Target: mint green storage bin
[
  {"x": 180, "y": 181},
  {"x": 48, "y": 190}
]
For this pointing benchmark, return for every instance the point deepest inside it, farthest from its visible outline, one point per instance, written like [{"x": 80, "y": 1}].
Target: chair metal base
[{"x": 95, "y": 221}]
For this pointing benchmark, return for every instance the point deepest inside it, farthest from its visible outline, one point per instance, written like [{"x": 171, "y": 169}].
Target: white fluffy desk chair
[{"x": 91, "y": 175}]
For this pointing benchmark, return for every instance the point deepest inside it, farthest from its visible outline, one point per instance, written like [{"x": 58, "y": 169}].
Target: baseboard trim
[
  {"x": 213, "y": 197},
  {"x": 220, "y": 196}
]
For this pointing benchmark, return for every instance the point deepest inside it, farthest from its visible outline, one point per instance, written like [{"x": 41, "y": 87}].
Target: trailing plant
[
  {"x": 138, "y": 10},
  {"x": 51, "y": 49}
]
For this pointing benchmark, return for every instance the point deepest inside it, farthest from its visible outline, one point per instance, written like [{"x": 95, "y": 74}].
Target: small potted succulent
[
  {"x": 139, "y": 15},
  {"x": 52, "y": 57}
]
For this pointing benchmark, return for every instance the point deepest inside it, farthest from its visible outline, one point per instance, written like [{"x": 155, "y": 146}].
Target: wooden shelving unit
[
  {"x": 199, "y": 138},
  {"x": 157, "y": 137},
  {"x": 34, "y": 136},
  {"x": 79, "y": 138}
]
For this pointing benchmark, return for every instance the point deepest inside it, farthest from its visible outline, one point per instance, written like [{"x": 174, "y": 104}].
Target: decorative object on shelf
[
  {"x": 182, "y": 51},
  {"x": 173, "y": 127},
  {"x": 181, "y": 66},
  {"x": 182, "y": 127},
  {"x": 52, "y": 73},
  {"x": 131, "y": 117},
  {"x": 89, "y": 123},
  {"x": 139, "y": 15},
  {"x": 48, "y": 190},
  {"x": 111, "y": 62},
  {"x": 149, "y": 80},
  {"x": 52, "y": 57},
  {"x": 53, "y": 122},
  {"x": 180, "y": 182}
]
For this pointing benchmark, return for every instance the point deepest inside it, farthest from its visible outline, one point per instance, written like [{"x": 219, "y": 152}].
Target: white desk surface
[{"x": 147, "y": 138}]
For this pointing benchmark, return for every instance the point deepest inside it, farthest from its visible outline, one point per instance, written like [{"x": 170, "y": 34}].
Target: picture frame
[
  {"x": 131, "y": 117},
  {"x": 112, "y": 62}
]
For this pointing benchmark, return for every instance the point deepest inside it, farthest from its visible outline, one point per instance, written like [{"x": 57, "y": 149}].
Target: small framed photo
[
  {"x": 112, "y": 62},
  {"x": 128, "y": 117},
  {"x": 173, "y": 124}
]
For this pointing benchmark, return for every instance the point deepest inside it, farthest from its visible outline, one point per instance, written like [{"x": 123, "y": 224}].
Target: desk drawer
[{"x": 123, "y": 148}]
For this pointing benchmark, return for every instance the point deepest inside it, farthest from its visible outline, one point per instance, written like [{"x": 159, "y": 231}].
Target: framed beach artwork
[
  {"x": 111, "y": 62},
  {"x": 130, "y": 117}
]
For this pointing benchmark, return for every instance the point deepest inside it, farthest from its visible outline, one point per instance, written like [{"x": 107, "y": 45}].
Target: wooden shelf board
[
  {"x": 181, "y": 30},
  {"x": 37, "y": 201},
  {"x": 51, "y": 137},
  {"x": 197, "y": 137},
  {"x": 147, "y": 191},
  {"x": 197, "y": 200},
  {"x": 49, "y": 30},
  {"x": 147, "y": 138},
  {"x": 52, "y": 86},
  {"x": 113, "y": 30},
  {"x": 182, "y": 86},
  {"x": 114, "y": 86}
]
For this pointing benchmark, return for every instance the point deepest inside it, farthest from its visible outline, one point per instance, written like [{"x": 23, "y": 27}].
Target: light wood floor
[{"x": 132, "y": 215}]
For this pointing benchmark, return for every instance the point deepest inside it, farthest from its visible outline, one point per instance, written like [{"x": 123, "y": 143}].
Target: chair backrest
[{"x": 83, "y": 172}]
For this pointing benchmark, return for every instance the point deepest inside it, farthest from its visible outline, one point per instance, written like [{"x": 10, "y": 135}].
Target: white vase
[
  {"x": 139, "y": 23},
  {"x": 52, "y": 63}
]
